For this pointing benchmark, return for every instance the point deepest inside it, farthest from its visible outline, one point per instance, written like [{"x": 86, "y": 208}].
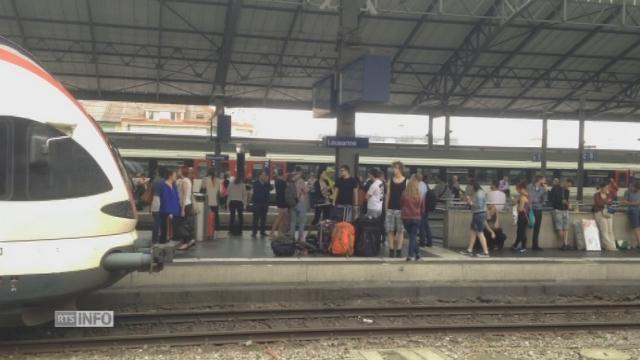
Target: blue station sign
[
  {"x": 346, "y": 142},
  {"x": 214, "y": 157}
]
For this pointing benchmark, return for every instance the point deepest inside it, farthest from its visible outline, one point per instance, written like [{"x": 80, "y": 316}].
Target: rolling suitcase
[
  {"x": 369, "y": 237},
  {"x": 324, "y": 234}
]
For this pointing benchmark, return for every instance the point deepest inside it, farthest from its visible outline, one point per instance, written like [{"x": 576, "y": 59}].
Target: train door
[
  {"x": 622, "y": 178},
  {"x": 201, "y": 168},
  {"x": 278, "y": 167}
]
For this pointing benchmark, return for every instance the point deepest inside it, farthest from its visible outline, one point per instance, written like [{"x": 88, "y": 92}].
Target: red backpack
[{"x": 343, "y": 239}]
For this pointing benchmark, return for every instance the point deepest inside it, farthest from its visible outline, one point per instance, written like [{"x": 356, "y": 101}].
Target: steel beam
[
  {"x": 584, "y": 40},
  {"x": 94, "y": 56},
  {"x": 580, "y": 180},
  {"x": 306, "y": 105},
  {"x": 457, "y": 66},
  {"x": 18, "y": 19},
  {"x": 283, "y": 49},
  {"x": 159, "y": 59},
  {"x": 595, "y": 75},
  {"x": 234, "y": 8},
  {"x": 521, "y": 45}
]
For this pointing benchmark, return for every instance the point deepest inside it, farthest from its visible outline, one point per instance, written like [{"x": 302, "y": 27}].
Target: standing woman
[
  {"x": 478, "y": 203},
  {"x": 323, "y": 198},
  {"x": 281, "y": 224},
  {"x": 523, "y": 218},
  {"x": 237, "y": 195},
  {"x": 393, "y": 215},
  {"x": 186, "y": 209},
  {"x": 632, "y": 200},
  {"x": 412, "y": 208},
  {"x": 604, "y": 219},
  {"x": 169, "y": 205},
  {"x": 156, "y": 187},
  {"x": 213, "y": 188}
]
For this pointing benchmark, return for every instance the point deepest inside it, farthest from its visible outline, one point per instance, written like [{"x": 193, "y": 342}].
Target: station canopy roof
[{"x": 502, "y": 58}]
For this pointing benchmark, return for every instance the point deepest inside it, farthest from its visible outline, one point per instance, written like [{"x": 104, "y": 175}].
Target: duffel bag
[{"x": 283, "y": 247}]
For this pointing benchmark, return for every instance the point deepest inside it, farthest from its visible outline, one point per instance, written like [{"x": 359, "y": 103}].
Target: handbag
[
  {"x": 608, "y": 212},
  {"x": 532, "y": 219}
]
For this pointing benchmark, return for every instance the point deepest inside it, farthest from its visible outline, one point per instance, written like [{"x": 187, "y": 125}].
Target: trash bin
[{"x": 201, "y": 215}]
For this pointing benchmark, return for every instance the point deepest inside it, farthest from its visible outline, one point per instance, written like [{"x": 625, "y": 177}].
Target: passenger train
[
  {"x": 144, "y": 161},
  {"x": 66, "y": 206}
]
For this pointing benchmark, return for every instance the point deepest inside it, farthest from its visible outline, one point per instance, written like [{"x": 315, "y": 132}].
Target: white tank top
[{"x": 186, "y": 182}]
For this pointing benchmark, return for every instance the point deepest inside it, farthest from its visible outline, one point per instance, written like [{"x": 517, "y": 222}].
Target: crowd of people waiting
[{"x": 401, "y": 204}]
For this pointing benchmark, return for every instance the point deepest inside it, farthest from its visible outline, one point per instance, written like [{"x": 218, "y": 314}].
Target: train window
[
  {"x": 53, "y": 166},
  {"x": 594, "y": 178},
  {"x": 486, "y": 176},
  {"x": 4, "y": 159},
  {"x": 517, "y": 175}
]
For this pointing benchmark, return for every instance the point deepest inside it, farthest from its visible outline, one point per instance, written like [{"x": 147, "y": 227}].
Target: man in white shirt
[
  {"x": 375, "y": 194},
  {"x": 496, "y": 197}
]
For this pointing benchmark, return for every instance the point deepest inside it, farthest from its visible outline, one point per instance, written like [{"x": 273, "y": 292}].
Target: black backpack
[
  {"x": 431, "y": 201},
  {"x": 290, "y": 194}
]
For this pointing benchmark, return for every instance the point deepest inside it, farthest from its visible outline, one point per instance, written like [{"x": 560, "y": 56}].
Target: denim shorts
[
  {"x": 478, "y": 221},
  {"x": 634, "y": 217}
]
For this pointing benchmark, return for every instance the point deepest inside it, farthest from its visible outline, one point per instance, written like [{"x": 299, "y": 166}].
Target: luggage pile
[{"x": 341, "y": 237}]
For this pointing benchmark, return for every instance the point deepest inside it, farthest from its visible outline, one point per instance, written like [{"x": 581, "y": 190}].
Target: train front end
[{"x": 67, "y": 214}]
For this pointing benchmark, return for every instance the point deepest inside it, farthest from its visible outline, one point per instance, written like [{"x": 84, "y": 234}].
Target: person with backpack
[
  {"x": 412, "y": 208},
  {"x": 261, "y": 195},
  {"x": 393, "y": 218},
  {"x": 281, "y": 224},
  {"x": 322, "y": 202},
  {"x": 538, "y": 197},
  {"x": 522, "y": 208},
  {"x": 428, "y": 195},
  {"x": 297, "y": 195},
  {"x": 237, "y": 194}
]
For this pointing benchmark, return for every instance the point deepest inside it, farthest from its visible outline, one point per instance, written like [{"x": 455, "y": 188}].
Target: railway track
[{"x": 269, "y": 325}]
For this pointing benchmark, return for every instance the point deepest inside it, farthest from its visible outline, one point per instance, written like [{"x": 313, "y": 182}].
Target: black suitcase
[
  {"x": 369, "y": 237},
  {"x": 283, "y": 247}
]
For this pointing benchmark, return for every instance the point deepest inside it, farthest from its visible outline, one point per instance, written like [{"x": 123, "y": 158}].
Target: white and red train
[{"x": 66, "y": 209}]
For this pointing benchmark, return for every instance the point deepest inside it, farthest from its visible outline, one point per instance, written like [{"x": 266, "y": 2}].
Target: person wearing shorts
[
  {"x": 559, "y": 198},
  {"x": 478, "y": 204},
  {"x": 393, "y": 218}
]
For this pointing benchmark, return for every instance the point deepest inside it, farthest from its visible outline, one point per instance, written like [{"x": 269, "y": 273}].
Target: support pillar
[
  {"x": 543, "y": 153},
  {"x": 430, "y": 134},
  {"x": 580, "y": 179},
  {"x": 447, "y": 132},
  {"x": 346, "y": 126},
  {"x": 217, "y": 149}
]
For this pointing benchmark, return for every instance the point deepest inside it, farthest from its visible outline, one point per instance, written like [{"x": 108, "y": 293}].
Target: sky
[{"x": 297, "y": 124}]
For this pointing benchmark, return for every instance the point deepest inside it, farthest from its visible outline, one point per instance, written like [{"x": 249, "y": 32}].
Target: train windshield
[{"x": 42, "y": 163}]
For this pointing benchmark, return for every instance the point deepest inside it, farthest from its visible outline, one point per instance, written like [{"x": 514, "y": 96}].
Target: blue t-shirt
[
  {"x": 479, "y": 202},
  {"x": 169, "y": 200}
]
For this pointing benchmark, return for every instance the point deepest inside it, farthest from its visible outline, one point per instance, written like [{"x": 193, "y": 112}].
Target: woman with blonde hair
[{"x": 411, "y": 210}]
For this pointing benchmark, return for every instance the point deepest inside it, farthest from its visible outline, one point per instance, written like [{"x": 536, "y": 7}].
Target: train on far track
[
  {"x": 141, "y": 161},
  {"x": 66, "y": 205}
]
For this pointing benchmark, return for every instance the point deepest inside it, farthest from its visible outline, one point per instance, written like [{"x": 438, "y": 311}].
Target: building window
[
  {"x": 164, "y": 115},
  {"x": 47, "y": 165}
]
